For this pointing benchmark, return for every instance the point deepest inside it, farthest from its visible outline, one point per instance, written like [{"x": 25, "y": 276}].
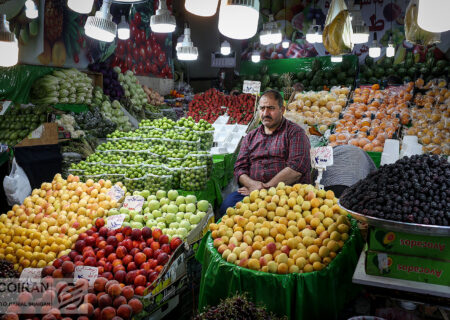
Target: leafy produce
[
  {"x": 296, "y": 229},
  {"x": 48, "y": 222},
  {"x": 64, "y": 86},
  {"x": 68, "y": 123},
  {"x": 131, "y": 257},
  {"x": 111, "y": 84},
  {"x": 133, "y": 90},
  {"x": 83, "y": 146},
  {"x": 111, "y": 111},
  {"x": 18, "y": 122},
  {"x": 238, "y": 308},
  {"x": 208, "y": 106},
  {"x": 93, "y": 123},
  {"x": 413, "y": 190},
  {"x": 374, "y": 116}
]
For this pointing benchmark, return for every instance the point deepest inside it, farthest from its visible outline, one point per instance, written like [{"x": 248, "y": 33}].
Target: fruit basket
[
  {"x": 414, "y": 228},
  {"x": 194, "y": 178}
]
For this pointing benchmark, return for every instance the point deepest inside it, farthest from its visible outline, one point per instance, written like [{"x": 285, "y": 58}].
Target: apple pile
[
  {"x": 283, "y": 230},
  {"x": 174, "y": 214},
  {"x": 48, "y": 222},
  {"x": 133, "y": 257}
]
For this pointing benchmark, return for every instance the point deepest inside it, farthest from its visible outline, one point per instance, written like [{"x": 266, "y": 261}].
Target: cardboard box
[
  {"x": 96, "y": 77},
  {"x": 45, "y": 134},
  {"x": 407, "y": 267},
  {"x": 409, "y": 244}
]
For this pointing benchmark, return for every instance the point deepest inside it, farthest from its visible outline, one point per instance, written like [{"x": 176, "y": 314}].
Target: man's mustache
[{"x": 267, "y": 118}]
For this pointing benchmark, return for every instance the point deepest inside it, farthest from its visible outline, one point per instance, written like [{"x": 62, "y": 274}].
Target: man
[{"x": 277, "y": 151}]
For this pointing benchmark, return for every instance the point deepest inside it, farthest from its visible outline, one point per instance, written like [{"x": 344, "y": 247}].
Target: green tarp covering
[
  {"x": 316, "y": 295},
  {"x": 16, "y": 82},
  {"x": 4, "y": 157}
]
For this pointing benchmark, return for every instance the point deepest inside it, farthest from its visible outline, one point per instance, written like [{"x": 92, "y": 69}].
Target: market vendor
[{"x": 277, "y": 151}]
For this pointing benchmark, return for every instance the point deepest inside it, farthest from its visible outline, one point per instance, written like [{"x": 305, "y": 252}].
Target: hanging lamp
[
  {"x": 187, "y": 51},
  {"x": 80, "y": 6},
  {"x": 433, "y": 15},
  {"x": 312, "y": 34},
  {"x": 225, "y": 48},
  {"x": 238, "y": 19},
  {"x": 101, "y": 27},
  {"x": 9, "y": 47},
  {"x": 163, "y": 21},
  {"x": 374, "y": 49},
  {"x": 123, "y": 29},
  {"x": 179, "y": 42},
  {"x": 256, "y": 56},
  {"x": 336, "y": 59},
  {"x": 360, "y": 30},
  {"x": 31, "y": 10},
  {"x": 270, "y": 33},
  {"x": 285, "y": 43},
  {"x": 201, "y": 7}
]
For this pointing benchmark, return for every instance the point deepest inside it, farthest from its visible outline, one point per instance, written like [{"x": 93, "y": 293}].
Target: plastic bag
[
  {"x": 338, "y": 29},
  {"x": 415, "y": 34},
  {"x": 17, "y": 186}
]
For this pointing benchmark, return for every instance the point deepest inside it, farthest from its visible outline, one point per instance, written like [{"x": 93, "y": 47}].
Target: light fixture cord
[{"x": 106, "y": 6}]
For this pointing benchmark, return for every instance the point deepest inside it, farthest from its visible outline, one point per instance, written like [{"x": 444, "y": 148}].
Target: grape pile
[{"x": 414, "y": 190}]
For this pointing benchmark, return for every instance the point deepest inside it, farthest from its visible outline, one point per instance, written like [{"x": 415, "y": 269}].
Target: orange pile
[{"x": 374, "y": 116}]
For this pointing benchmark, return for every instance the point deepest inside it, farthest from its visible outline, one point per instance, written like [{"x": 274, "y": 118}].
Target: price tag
[
  {"x": 322, "y": 157},
  {"x": 252, "y": 87},
  {"x": 134, "y": 203},
  {"x": 116, "y": 193},
  {"x": 4, "y": 105},
  {"x": 31, "y": 275},
  {"x": 37, "y": 133},
  {"x": 115, "y": 222},
  {"x": 85, "y": 272}
]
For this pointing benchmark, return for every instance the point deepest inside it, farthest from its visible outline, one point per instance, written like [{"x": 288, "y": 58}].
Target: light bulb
[
  {"x": 81, "y": 6},
  {"x": 31, "y": 10},
  {"x": 101, "y": 27},
  {"x": 9, "y": 46},
  {"x": 374, "y": 52},
  {"x": 187, "y": 51},
  {"x": 285, "y": 44},
  {"x": 163, "y": 21},
  {"x": 390, "y": 50},
  {"x": 276, "y": 37},
  {"x": 432, "y": 15},
  {"x": 360, "y": 30},
  {"x": 256, "y": 56},
  {"x": 123, "y": 29},
  {"x": 179, "y": 42},
  {"x": 336, "y": 59},
  {"x": 201, "y": 7},
  {"x": 311, "y": 37},
  {"x": 238, "y": 19},
  {"x": 225, "y": 48}
]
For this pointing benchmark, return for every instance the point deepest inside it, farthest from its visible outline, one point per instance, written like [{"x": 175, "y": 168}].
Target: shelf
[{"x": 360, "y": 277}]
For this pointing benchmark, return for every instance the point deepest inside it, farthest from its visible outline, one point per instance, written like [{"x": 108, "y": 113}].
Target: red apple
[
  {"x": 175, "y": 243},
  {"x": 136, "y": 305},
  {"x": 152, "y": 276},
  {"x": 128, "y": 292},
  {"x": 127, "y": 243},
  {"x": 162, "y": 258},
  {"x": 156, "y": 233},
  {"x": 139, "y": 291},
  {"x": 136, "y": 234},
  {"x": 127, "y": 231},
  {"x": 47, "y": 271},
  {"x": 100, "y": 254},
  {"x": 57, "y": 263},
  {"x": 112, "y": 257},
  {"x": 67, "y": 267},
  {"x": 91, "y": 261},
  {"x": 146, "y": 233},
  {"x": 148, "y": 252},
  {"x": 103, "y": 232},
  {"x": 166, "y": 248},
  {"x": 139, "y": 258},
  {"x": 131, "y": 275},
  {"x": 107, "y": 275},
  {"x": 163, "y": 239},
  {"x": 125, "y": 311},
  {"x": 108, "y": 250},
  {"x": 120, "y": 237},
  {"x": 127, "y": 259},
  {"x": 155, "y": 245},
  {"x": 118, "y": 268},
  {"x": 99, "y": 284},
  {"x": 131, "y": 266},
  {"x": 108, "y": 313},
  {"x": 118, "y": 301},
  {"x": 99, "y": 222},
  {"x": 140, "y": 280},
  {"x": 121, "y": 252},
  {"x": 112, "y": 240},
  {"x": 108, "y": 266}
]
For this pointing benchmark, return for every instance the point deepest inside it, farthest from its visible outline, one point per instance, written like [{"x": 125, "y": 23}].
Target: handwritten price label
[
  {"x": 322, "y": 157},
  {"x": 116, "y": 193},
  {"x": 115, "y": 222},
  {"x": 85, "y": 272},
  {"x": 31, "y": 275},
  {"x": 134, "y": 203},
  {"x": 252, "y": 87}
]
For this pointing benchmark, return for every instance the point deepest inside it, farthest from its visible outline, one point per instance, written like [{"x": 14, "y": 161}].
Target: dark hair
[
  {"x": 299, "y": 87},
  {"x": 274, "y": 94}
]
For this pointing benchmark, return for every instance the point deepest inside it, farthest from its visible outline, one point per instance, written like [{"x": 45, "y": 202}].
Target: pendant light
[
  {"x": 374, "y": 49},
  {"x": 201, "y": 7},
  {"x": 314, "y": 35},
  {"x": 432, "y": 15},
  {"x": 360, "y": 30},
  {"x": 256, "y": 56},
  {"x": 336, "y": 59},
  {"x": 179, "y": 42},
  {"x": 270, "y": 33},
  {"x": 187, "y": 51},
  {"x": 225, "y": 48},
  {"x": 81, "y": 6},
  {"x": 163, "y": 21},
  {"x": 123, "y": 29},
  {"x": 390, "y": 50},
  {"x": 101, "y": 26},
  {"x": 285, "y": 43},
  {"x": 238, "y": 19},
  {"x": 31, "y": 10},
  {"x": 9, "y": 47}
]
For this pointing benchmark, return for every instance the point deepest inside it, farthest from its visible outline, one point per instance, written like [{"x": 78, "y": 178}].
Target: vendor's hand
[
  {"x": 256, "y": 185},
  {"x": 266, "y": 186},
  {"x": 244, "y": 191}
]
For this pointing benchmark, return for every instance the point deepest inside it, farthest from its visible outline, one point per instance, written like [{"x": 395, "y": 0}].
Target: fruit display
[
  {"x": 204, "y": 129},
  {"x": 132, "y": 257},
  {"x": 320, "y": 108},
  {"x": 174, "y": 214},
  {"x": 286, "y": 229},
  {"x": 374, "y": 116},
  {"x": 17, "y": 122},
  {"x": 67, "y": 123},
  {"x": 111, "y": 111},
  {"x": 7, "y": 270},
  {"x": 237, "y": 307},
  {"x": 133, "y": 89},
  {"x": 209, "y": 106},
  {"x": 48, "y": 222},
  {"x": 154, "y": 98},
  {"x": 111, "y": 84},
  {"x": 64, "y": 86},
  {"x": 413, "y": 190},
  {"x": 93, "y": 123}
]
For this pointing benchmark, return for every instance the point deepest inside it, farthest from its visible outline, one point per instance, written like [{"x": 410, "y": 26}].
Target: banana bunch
[
  {"x": 338, "y": 29},
  {"x": 415, "y": 34}
]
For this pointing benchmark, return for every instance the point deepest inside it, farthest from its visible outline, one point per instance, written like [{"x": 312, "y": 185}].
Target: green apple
[
  {"x": 133, "y": 214},
  {"x": 148, "y": 216},
  {"x": 172, "y": 208},
  {"x": 113, "y": 212},
  {"x": 161, "y": 225},
  {"x": 193, "y": 226},
  {"x": 125, "y": 224},
  {"x": 180, "y": 215},
  {"x": 203, "y": 205},
  {"x": 165, "y": 230},
  {"x": 156, "y": 213},
  {"x": 182, "y": 207},
  {"x": 151, "y": 223},
  {"x": 194, "y": 219},
  {"x": 154, "y": 205},
  {"x": 136, "y": 193},
  {"x": 145, "y": 193},
  {"x": 182, "y": 232},
  {"x": 179, "y": 219},
  {"x": 124, "y": 210},
  {"x": 191, "y": 199},
  {"x": 185, "y": 224},
  {"x": 190, "y": 207},
  {"x": 170, "y": 217},
  {"x": 164, "y": 208},
  {"x": 151, "y": 197},
  {"x": 170, "y": 232},
  {"x": 180, "y": 200},
  {"x": 202, "y": 214},
  {"x": 127, "y": 218},
  {"x": 188, "y": 215},
  {"x": 174, "y": 225},
  {"x": 136, "y": 225},
  {"x": 161, "y": 219},
  {"x": 139, "y": 218},
  {"x": 160, "y": 194},
  {"x": 172, "y": 194},
  {"x": 164, "y": 201},
  {"x": 147, "y": 209}
]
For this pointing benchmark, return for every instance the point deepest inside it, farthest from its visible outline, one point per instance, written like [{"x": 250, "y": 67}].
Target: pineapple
[
  {"x": 53, "y": 20},
  {"x": 287, "y": 82}
]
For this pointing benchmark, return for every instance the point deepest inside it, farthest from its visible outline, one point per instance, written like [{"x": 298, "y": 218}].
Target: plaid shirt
[{"x": 263, "y": 156}]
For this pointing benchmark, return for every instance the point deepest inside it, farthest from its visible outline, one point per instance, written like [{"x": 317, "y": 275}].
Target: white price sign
[
  {"x": 134, "y": 203},
  {"x": 116, "y": 193},
  {"x": 115, "y": 222},
  {"x": 86, "y": 272},
  {"x": 252, "y": 87},
  {"x": 322, "y": 157},
  {"x": 31, "y": 275}
]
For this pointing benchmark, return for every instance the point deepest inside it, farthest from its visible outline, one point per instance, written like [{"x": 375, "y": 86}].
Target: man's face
[{"x": 270, "y": 112}]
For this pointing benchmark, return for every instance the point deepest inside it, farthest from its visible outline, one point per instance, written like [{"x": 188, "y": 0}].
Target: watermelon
[
  {"x": 341, "y": 77},
  {"x": 250, "y": 77},
  {"x": 316, "y": 65},
  {"x": 305, "y": 82},
  {"x": 301, "y": 75},
  {"x": 334, "y": 82},
  {"x": 310, "y": 75},
  {"x": 424, "y": 71},
  {"x": 388, "y": 62},
  {"x": 368, "y": 73},
  {"x": 373, "y": 80},
  {"x": 402, "y": 72},
  {"x": 441, "y": 64},
  {"x": 351, "y": 72},
  {"x": 409, "y": 63},
  {"x": 379, "y": 72},
  {"x": 349, "y": 81},
  {"x": 265, "y": 80},
  {"x": 346, "y": 64},
  {"x": 368, "y": 61},
  {"x": 412, "y": 71},
  {"x": 362, "y": 68},
  {"x": 436, "y": 71},
  {"x": 430, "y": 62},
  {"x": 274, "y": 77},
  {"x": 264, "y": 69},
  {"x": 390, "y": 71},
  {"x": 337, "y": 69}
]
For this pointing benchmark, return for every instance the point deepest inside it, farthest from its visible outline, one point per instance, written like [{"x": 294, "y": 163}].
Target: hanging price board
[
  {"x": 116, "y": 193},
  {"x": 322, "y": 157},
  {"x": 85, "y": 272},
  {"x": 115, "y": 222},
  {"x": 134, "y": 203},
  {"x": 252, "y": 87}
]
